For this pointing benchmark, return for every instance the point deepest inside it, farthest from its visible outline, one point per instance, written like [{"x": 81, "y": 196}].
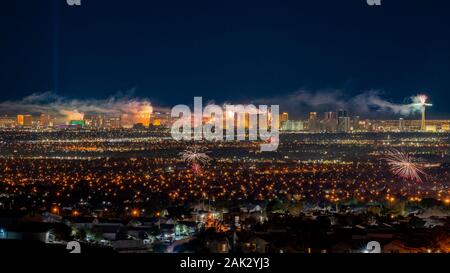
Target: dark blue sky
[{"x": 233, "y": 50}]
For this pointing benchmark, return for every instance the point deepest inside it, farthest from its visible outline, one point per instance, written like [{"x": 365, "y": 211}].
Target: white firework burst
[
  {"x": 195, "y": 155},
  {"x": 404, "y": 166}
]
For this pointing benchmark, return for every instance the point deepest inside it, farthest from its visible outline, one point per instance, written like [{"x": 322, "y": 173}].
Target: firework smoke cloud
[
  {"x": 367, "y": 102},
  {"x": 65, "y": 109}
]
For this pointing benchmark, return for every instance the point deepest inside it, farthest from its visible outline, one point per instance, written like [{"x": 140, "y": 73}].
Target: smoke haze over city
[{"x": 368, "y": 104}]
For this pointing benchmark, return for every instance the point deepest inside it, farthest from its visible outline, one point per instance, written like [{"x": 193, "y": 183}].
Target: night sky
[{"x": 233, "y": 50}]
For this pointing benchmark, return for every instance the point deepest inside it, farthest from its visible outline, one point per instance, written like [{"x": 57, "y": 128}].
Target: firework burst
[
  {"x": 197, "y": 168},
  {"x": 197, "y": 157},
  {"x": 404, "y": 166},
  {"x": 422, "y": 99}
]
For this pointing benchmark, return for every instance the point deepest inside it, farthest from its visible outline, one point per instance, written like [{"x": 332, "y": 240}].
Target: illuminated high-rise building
[
  {"x": 20, "y": 119},
  {"x": 247, "y": 120},
  {"x": 330, "y": 122},
  {"x": 24, "y": 120},
  {"x": 401, "y": 124},
  {"x": 342, "y": 113},
  {"x": 27, "y": 121},
  {"x": 113, "y": 123},
  {"x": 313, "y": 122},
  {"x": 284, "y": 117},
  {"x": 292, "y": 125},
  {"x": 330, "y": 115},
  {"x": 423, "y": 124},
  {"x": 343, "y": 124},
  {"x": 46, "y": 120},
  {"x": 422, "y": 103},
  {"x": 94, "y": 121},
  {"x": 88, "y": 121}
]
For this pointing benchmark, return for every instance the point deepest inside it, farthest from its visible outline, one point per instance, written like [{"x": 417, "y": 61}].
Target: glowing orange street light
[
  {"x": 55, "y": 210},
  {"x": 135, "y": 213}
]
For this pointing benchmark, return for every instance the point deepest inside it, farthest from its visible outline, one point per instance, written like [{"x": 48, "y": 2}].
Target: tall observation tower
[{"x": 422, "y": 103}]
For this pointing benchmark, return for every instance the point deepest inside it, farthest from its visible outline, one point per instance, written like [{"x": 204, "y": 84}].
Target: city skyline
[{"x": 368, "y": 104}]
